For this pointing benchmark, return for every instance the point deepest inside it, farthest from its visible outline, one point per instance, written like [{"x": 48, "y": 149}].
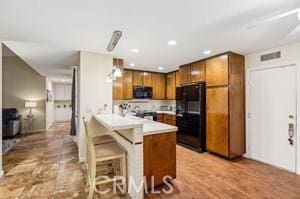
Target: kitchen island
[{"x": 150, "y": 146}]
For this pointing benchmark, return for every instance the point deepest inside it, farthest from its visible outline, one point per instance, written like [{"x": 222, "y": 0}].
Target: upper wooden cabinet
[
  {"x": 185, "y": 74},
  {"x": 137, "y": 78},
  {"x": 127, "y": 84},
  {"x": 171, "y": 86},
  {"x": 198, "y": 71},
  {"x": 147, "y": 79},
  {"x": 159, "y": 85},
  {"x": 141, "y": 78},
  {"x": 217, "y": 71},
  {"x": 118, "y": 83},
  {"x": 177, "y": 76}
]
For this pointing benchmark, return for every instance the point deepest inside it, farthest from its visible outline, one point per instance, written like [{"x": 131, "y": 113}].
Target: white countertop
[
  {"x": 117, "y": 122},
  {"x": 166, "y": 112}
]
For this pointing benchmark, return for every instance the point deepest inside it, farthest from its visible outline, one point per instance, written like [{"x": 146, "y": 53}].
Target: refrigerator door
[{"x": 191, "y": 124}]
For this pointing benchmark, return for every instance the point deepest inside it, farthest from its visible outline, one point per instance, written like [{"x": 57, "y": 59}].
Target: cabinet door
[
  {"x": 68, "y": 91},
  {"x": 217, "y": 120},
  {"x": 158, "y": 85},
  {"x": 185, "y": 74},
  {"x": 161, "y": 118},
  {"x": 198, "y": 71},
  {"x": 137, "y": 78},
  {"x": 159, "y": 157},
  {"x": 59, "y": 114},
  {"x": 177, "y": 77},
  {"x": 147, "y": 79},
  {"x": 118, "y": 88},
  {"x": 127, "y": 84},
  {"x": 217, "y": 71},
  {"x": 171, "y": 86},
  {"x": 59, "y": 92}
]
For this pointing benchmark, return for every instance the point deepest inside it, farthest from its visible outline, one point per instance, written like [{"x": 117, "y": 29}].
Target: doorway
[{"x": 273, "y": 116}]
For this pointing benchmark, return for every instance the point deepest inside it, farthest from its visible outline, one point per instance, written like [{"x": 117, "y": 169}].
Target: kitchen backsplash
[{"x": 153, "y": 105}]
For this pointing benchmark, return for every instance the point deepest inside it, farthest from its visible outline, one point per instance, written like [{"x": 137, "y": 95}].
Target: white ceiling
[{"x": 48, "y": 34}]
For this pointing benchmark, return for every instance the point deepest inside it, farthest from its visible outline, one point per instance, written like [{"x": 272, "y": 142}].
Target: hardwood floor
[
  {"x": 45, "y": 165},
  {"x": 209, "y": 176}
]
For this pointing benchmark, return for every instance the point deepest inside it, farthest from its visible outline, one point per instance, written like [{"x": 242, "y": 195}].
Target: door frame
[{"x": 248, "y": 108}]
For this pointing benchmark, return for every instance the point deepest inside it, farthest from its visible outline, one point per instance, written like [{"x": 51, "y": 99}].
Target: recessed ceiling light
[
  {"x": 135, "y": 50},
  {"x": 172, "y": 42},
  {"x": 160, "y": 68},
  {"x": 132, "y": 64},
  {"x": 206, "y": 52}
]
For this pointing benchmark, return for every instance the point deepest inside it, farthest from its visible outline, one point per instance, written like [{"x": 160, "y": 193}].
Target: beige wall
[
  {"x": 22, "y": 83},
  {"x": 93, "y": 91}
]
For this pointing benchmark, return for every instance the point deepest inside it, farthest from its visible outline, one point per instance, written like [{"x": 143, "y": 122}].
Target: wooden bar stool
[{"x": 107, "y": 153}]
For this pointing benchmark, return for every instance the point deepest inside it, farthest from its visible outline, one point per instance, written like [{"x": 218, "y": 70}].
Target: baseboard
[
  {"x": 81, "y": 159},
  {"x": 1, "y": 173},
  {"x": 34, "y": 131}
]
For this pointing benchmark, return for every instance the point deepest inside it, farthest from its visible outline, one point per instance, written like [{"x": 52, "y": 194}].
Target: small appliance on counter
[{"x": 150, "y": 115}]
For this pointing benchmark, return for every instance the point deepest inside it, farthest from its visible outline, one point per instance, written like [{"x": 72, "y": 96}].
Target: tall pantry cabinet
[{"x": 225, "y": 105}]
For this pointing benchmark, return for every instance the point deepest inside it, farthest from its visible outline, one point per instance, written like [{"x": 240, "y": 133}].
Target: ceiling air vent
[{"x": 267, "y": 57}]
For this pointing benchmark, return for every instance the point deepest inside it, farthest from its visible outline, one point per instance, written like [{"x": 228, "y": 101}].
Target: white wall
[
  {"x": 1, "y": 171},
  {"x": 290, "y": 55},
  {"x": 93, "y": 91},
  {"x": 49, "y": 105}
]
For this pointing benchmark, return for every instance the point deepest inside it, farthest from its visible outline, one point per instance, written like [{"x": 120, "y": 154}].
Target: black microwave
[{"x": 142, "y": 92}]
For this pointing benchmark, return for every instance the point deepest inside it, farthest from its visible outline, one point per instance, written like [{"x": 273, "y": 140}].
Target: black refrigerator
[{"x": 190, "y": 116}]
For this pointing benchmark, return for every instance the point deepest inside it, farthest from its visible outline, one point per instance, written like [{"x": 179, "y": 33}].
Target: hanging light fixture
[{"x": 116, "y": 72}]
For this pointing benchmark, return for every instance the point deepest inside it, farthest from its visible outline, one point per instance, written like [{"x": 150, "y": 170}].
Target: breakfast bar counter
[{"x": 150, "y": 146}]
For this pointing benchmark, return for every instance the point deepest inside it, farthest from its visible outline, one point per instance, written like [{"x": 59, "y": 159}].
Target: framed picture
[{"x": 49, "y": 95}]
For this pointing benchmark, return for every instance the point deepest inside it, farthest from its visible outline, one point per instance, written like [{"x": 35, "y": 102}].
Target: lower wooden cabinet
[
  {"x": 159, "y": 157},
  {"x": 167, "y": 119},
  {"x": 217, "y": 120}
]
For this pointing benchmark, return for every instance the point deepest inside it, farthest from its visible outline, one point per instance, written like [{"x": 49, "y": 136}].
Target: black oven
[{"x": 142, "y": 92}]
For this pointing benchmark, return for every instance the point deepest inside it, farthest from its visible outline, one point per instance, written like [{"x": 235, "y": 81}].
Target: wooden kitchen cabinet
[
  {"x": 147, "y": 79},
  {"x": 185, "y": 74},
  {"x": 137, "y": 78},
  {"x": 127, "y": 84},
  {"x": 159, "y": 157},
  {"x": 198, "y": 72},
  {"x": 118, "y": 83},
  {"x": 177, "y": 77},
  {"x": 159, "y": 86},
  {"x": 217, "y": 120},
  {"x": 171, "y": 86},
  {"x": 141, "y": 78},
  {"x": 225, "y": 105},
  {"x": 217, "y": 71}
]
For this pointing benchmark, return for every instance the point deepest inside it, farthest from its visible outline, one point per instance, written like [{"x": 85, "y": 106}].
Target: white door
[{"x": 272, "y": 113}]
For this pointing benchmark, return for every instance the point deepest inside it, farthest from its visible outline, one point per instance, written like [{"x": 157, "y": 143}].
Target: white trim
[
  {"x": 297, "y": 136},
  {"x": 81, "y": 159}
]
